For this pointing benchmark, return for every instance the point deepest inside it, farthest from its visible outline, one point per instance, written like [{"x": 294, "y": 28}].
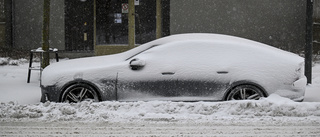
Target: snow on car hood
[{"x": 64, "y": 71}]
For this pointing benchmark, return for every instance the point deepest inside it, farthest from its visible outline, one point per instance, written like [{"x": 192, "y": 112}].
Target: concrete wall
[
  {"x": 28, "y": 24},
  {"x": 280, "y": 23}
]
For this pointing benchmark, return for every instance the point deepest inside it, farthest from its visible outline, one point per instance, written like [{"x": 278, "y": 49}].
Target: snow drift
[{"x": 272, "y": 107}]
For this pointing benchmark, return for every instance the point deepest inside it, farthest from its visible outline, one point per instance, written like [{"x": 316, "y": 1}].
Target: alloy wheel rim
[
  {"x": 245, "y": 94},
  {"x": 80, "y": 94}
]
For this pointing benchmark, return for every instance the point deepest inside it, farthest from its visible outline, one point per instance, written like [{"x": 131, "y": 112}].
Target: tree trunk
[
  {"x": 309, "y": 39},
  {"x": 45, "y": 33}
]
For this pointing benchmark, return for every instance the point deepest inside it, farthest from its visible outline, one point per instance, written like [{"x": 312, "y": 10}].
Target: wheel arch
[
  {"x": 80, "y": 81},
  {"x": 239, "y": 83}
]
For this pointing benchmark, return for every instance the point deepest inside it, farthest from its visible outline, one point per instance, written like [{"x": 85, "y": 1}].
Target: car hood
[
  {"x": 85, "y": 63},
  {"x": 62, "y": 71}
]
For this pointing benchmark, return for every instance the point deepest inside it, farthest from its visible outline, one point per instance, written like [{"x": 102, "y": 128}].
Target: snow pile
[
  {"x": 313, "y": 90},
  {"x": 273, "y": 106},
  {"x": 9, "y": 61},
  {"x": 4, "y": 61}
]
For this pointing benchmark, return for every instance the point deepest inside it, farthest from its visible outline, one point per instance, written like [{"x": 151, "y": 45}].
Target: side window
[
  {"x": 156, "y": 59},
  {"x": 179, "y": 54},
  {"x": 161, "y": 52}
]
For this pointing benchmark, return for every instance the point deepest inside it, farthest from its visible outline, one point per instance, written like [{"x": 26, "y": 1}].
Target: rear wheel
[
  {"x": 245, "y": 92},
  {"x": 79, "y": 92}
]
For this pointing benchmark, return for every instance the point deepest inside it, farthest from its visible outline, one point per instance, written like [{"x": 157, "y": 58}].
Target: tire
[
  {"x": 79, "y": 92},
  {"x": 245, "y": 92}
]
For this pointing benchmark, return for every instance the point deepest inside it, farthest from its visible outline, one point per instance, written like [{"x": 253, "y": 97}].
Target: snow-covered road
[{"x": 172, "y": 129}]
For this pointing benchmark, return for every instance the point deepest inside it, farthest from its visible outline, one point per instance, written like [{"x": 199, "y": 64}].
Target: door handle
[
  {"x": 222, "y": 72},
  {"x": 167, "y": 73}
]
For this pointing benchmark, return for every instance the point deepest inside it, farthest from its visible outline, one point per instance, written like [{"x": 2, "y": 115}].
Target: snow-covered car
[{"x": 183, "y": 67}]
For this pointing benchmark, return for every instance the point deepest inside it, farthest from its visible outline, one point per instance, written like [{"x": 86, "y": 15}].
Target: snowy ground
[{"x": 21, "y": 113}]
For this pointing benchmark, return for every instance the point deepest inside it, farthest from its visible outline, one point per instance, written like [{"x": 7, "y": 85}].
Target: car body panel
[{"x": 186, "y": 67}]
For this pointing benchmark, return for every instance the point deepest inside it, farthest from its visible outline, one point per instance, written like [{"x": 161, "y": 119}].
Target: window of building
[{"x": 112, "y": 22}]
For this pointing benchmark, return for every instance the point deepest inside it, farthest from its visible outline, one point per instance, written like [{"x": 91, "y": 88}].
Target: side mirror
[{"x": 136, "y": 64}]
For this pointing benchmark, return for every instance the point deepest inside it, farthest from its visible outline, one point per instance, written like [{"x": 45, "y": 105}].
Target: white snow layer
[
  {"x": 229, "y": 53},
  {"x": 273, "y": 106},
  {"x": 243, "y": 59}
]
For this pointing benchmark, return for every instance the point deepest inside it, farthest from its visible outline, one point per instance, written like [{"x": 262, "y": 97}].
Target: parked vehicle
[{"x": 184, "y": 67}]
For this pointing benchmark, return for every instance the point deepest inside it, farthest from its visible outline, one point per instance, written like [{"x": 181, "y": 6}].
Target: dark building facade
[{"x": 99, "y": 27}]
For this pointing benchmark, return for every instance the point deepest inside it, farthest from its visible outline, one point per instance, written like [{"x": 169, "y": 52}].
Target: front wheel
[
  {"x": 245, "y": 92},
  {"x": 79, "y": 92}
]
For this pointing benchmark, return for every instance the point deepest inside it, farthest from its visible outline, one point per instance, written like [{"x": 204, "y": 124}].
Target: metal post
[
  {"x": 159, "y": 19},
  {"x": 30, "y": 66},
  {"x": 131, "y": 23},
  {"x": 45, "y": 33},
  {"x": 94, "y": 26},
  {"x": 308, "y": 47}
]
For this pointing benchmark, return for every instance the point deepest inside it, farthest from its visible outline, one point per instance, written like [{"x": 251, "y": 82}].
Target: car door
[
  {"x": 147, "y": 77},
  {"x": 175, "y": 71}
]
